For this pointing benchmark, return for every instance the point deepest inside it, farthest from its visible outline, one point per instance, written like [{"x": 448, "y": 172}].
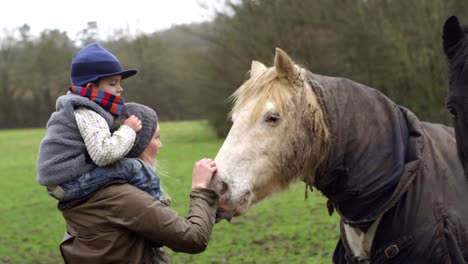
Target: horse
[
  {"x": 395, "y": 181},
  {"x": 455, "y": 44}
]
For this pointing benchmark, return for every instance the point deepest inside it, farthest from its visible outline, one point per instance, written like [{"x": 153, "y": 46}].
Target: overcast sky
[{"x": 135, "y": 16}]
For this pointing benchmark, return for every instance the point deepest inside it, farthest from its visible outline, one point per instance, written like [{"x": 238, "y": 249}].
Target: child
[{"x": 78, "y": 143}]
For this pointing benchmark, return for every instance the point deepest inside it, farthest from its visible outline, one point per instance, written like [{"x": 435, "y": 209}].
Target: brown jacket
[{"x": 122, "y": 224}]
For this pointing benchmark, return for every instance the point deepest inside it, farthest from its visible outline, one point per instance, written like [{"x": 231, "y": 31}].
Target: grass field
[{"x": 282, "y": 229}]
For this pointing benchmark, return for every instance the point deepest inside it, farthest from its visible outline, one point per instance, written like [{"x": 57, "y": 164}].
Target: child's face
[{"x": 109, "y": 84}]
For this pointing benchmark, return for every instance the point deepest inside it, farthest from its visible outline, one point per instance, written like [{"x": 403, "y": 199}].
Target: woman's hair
[
  {"x": 148, "y": 160},
  {"x": 155, "y": 166}
]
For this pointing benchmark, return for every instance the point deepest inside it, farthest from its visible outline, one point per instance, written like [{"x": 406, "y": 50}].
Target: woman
[{"x": 121, "y": 223}]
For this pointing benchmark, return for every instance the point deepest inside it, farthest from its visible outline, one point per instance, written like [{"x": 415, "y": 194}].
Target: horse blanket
[{"x": 385, "y": 163}]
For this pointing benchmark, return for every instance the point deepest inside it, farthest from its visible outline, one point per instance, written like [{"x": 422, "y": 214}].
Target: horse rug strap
[
  {"x": 392, "y": 250},
  {"x": 386, "y": 253}
]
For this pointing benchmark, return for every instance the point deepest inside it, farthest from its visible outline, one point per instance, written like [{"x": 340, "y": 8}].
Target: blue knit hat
[{"x": 94, "y": 62}]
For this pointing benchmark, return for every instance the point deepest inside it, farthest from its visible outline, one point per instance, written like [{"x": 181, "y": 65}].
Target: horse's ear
[
  {"x": 257, "y": 68},
  {"x": 284, "y": 65},
  {"x": 452, "y": 35}
]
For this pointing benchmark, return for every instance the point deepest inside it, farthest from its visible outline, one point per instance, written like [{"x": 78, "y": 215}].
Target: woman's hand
[{"x": 203, "y": 172}]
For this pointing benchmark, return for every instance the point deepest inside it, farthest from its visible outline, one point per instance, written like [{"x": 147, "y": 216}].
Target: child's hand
[
  {"x": 134, "y": 123},
  {"x": 203, "y": 172}
]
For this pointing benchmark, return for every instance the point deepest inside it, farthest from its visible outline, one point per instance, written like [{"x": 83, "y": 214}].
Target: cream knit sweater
[{"x": 103, "y": 146}]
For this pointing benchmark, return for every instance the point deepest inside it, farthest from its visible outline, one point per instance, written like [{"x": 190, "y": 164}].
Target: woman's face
[{"x": 154, "y": 145}]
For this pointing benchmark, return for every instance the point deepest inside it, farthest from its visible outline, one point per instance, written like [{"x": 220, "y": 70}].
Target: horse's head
[
  {"x": 279, "y": 135},
  {"x": 455, "y": 43}
]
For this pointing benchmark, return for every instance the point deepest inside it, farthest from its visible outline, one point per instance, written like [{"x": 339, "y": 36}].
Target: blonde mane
[
  {"x": 297, "y": 100},
  {"x": 263, "y": 88}
]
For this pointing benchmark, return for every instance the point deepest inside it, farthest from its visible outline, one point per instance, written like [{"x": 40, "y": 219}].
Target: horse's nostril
[{"x": 224, "y": 187}]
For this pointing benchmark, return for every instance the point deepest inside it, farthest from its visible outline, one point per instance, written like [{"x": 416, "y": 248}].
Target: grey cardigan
[{"x": 62, "y": 153}]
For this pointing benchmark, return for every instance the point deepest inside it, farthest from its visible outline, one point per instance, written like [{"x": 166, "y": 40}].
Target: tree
[
  {"x": 89, "y": 34},
  {"x": 391, "y": 45}
]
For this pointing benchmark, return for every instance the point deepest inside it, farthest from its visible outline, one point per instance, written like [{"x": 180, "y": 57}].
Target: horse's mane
[
  {"x": 267, "y": 86},
  {"x": 262, "y": 88}
]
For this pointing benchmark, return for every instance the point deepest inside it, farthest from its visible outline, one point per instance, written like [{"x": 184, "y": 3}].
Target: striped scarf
[{"x": 112, "y": 103}]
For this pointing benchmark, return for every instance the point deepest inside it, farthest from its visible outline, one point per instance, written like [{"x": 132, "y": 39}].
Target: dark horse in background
[{"x": 455, "y": 43}]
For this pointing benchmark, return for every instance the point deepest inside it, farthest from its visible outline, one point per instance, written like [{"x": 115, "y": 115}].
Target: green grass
[{"x": 285, "y": 228}]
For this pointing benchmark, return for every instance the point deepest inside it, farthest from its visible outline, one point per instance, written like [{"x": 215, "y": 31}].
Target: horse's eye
[
  {"x": 272, "y": 118},
  {"x": 452, "y": 111}
]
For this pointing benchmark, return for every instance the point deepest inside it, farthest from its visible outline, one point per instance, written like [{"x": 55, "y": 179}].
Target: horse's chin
[
  {"x": 228, "y": 211},
  {"x": 228, "y": 214},
  {"x": 223, "y": 214}
]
